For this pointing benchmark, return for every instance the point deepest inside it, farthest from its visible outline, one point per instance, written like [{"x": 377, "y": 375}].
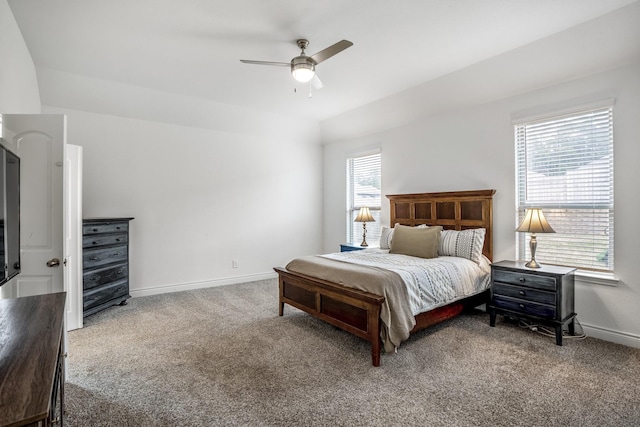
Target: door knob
[{"x": 53, "y": 262}]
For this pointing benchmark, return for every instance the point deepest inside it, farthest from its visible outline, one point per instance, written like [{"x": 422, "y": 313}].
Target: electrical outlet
[{"x": 234, "y": 263}]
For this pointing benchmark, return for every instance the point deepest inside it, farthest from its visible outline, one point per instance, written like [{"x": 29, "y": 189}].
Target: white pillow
[
  {"x": 464, "y": 244},
  {"x": 386, "y": 234}
]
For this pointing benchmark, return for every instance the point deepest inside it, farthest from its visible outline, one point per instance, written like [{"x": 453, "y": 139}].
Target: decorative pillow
[
  {"x": 415, "y": 241},
  {"x": 465, "y": 243},
  {"x": 386, "y": 234}
]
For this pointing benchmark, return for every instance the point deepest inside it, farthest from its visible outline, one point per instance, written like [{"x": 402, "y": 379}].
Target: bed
[{"x": 325, "y": 291}]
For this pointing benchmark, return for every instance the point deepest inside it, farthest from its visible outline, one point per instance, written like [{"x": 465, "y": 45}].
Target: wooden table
[{"x": 31, "y": 360}]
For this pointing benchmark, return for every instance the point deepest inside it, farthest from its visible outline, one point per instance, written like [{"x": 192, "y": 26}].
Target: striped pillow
[{"x": 464, "y": 244}]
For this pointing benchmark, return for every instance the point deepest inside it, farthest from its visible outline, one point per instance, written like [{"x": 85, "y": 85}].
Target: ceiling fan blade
[
  {"x": 279, "y": 64},
  {"x": 330, "y": 51},
  {"x": 316, "y": 82}
]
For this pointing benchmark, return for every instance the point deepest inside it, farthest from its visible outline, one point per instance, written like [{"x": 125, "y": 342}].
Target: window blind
[
  {"x": 564, "y": 165},
  {"x": 363, "y": 190}
]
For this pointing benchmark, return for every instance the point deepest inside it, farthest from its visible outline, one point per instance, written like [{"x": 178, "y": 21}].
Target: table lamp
[
  {"x": 364, "y": 216},
  {"x": 534, "y": 222}
]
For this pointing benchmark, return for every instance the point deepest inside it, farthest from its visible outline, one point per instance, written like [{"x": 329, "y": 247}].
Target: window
[
  {"x": 564, "y": 165},
  {"x": 363, "y": 190}
]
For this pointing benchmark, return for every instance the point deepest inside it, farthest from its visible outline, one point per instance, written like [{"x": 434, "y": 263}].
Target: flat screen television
[{"x": 9, "y": 213}]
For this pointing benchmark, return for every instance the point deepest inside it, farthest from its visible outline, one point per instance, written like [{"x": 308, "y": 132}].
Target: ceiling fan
[{"x": 303, "y": 67}]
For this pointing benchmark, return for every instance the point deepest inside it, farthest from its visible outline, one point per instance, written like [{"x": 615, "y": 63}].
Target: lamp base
[
  {"x": 533, "y": 264},
  {"x": 364, "y": 243}
]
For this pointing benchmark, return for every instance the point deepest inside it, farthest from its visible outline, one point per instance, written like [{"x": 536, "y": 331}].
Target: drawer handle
[
  {"x": 94, "y": 243},
  {"x": 95, "y": 229},
  {"x": 93, "y": 279},
  {"x": 120, "y": 271},
  {"x": 94, "y": 258},
  {"x": 521, "y": 305},
  {"x": 522, "y": 279},
  {"x": 117, "y": 228},
  {"x": 521, "y": 293},
  {"x": 117, "y": 253},
  {"x": 117, "y": 240}
]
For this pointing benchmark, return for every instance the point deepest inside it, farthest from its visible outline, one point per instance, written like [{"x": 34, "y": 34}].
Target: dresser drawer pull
[
  {"x": 93, "y": 278},
  {"x": 94, "y": 258},
  {"x": 94, "y": 243},
  {"x": 521, "y": 305},
  {"x": 117, "y": 240},
  {"x": 117, "y": 253},
  {"x": 521, "y": 293},
  {"x": 95, "y": 229},
  {"x": 522, "y": 279}
]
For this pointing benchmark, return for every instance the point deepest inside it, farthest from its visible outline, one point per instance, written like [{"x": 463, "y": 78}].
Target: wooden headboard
[{"x": 453, "y": 210}]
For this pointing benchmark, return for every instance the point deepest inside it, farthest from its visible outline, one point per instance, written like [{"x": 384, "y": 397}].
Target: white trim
[
  {"x": 531, "y": 118},
  {"x": 203, "y": 284},
  {"x": 595, "y": 278},
  {"x": 624, "y": 338}
]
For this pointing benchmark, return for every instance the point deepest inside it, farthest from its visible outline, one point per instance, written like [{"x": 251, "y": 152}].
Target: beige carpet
[{"x": 223, "y": 357}]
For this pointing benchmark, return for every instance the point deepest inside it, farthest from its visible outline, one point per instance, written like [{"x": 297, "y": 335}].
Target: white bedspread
[{"x": 430, "y": 283}]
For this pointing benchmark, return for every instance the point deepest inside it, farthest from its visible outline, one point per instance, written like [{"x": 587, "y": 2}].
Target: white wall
[
  {"x": 473, "y": 148},
  {"x": 245, "y": 186},
  {"x": 18, "y": 84}
]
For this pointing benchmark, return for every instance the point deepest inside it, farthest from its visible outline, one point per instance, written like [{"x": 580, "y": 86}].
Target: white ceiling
[{"x": 193, "y": 47}]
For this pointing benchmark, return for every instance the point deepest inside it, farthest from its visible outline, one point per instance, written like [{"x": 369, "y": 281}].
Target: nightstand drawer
[
  {"x": 524, "y": 307},
  {"x": 525, "y": 279},
  {"x": 528, "y": 294}
]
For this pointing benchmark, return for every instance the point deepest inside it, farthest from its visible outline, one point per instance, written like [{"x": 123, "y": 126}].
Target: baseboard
[
  {"x": 630, "y": 340},
  {"x": 203, "y": 284}
]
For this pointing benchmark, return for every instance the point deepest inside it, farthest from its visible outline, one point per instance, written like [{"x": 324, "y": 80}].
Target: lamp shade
[
  {"x": 364, "y": 216},
  {"x": 534, "y": 222}
]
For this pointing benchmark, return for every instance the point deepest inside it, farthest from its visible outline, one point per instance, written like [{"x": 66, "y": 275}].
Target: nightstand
[
  {"x": 346, "y": 247},
  {"x": 544, "y": 295}
]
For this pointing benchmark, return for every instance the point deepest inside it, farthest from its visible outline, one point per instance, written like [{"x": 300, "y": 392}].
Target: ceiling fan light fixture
[{"x": 302, "y": 69}]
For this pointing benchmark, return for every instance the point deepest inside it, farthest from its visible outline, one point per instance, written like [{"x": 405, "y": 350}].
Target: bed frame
[{"x": 358, "y": 312}]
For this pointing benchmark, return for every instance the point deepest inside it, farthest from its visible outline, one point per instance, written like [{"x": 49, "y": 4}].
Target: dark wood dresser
[
  {"x": 544, "y": 295},
  {"x": 105, "y": 263},
  {"x": 32, "y": 360}
]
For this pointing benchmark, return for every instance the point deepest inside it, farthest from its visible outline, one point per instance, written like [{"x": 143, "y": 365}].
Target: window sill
[{"x": 594, "y": 278}]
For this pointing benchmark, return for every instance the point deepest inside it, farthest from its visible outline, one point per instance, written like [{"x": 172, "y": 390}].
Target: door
[
  {"x": 39, "y": 141},
  {"x": 72, "y": 213}
]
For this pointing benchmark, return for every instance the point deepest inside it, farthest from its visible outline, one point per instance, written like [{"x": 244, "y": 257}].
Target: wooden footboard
[{"x": 355, "y": 311}]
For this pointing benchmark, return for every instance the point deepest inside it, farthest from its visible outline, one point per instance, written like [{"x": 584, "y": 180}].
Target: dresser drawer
[
  {"x": 103, "y": 256},
  {"x": 101, "y": 276},
  {"x": 106, "y": 227},
  {"x": 528, "y": 294},
  {"x": 104, "y": 240},
  {"x": 524, "y": 279},
  {"x": 524, "y": 307},
  {"x": 104, "y": 294}
]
